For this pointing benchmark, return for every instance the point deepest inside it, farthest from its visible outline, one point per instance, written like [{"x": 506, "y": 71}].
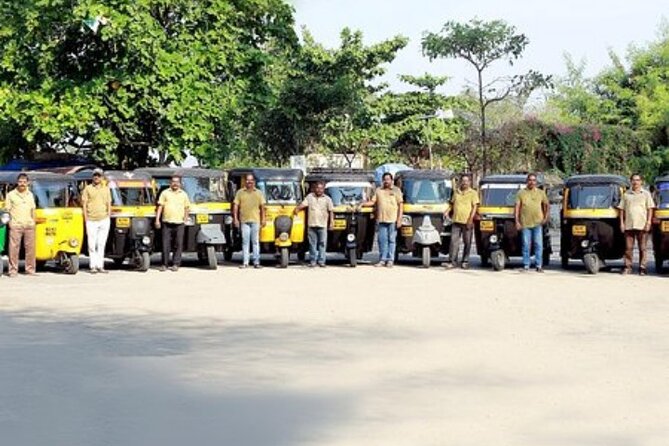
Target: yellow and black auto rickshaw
[
  {"x": 590, "y": 228},
  {"x": 426, "y": 227},
  {"x": 661, "y": 222},
  {"x": 210, "y": 218},
  {"x": 133, "y": 215},
  {"x": 283, "y": 190},
  {"x": 497, "y": 237},
  {"x": 353, "y": 231},
  {"x": 59, "y": 222}
]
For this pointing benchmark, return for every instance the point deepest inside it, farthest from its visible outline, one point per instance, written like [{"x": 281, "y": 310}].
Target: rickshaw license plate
[
  {"x": 123, "y": 222},
  {"x": 579, "y": 230},
  {"x": 487, "y": 225},
  {"x": 339, "y": 224},
  {"x": 202, "y": 218},
  {"x": 407, "y": 231},
  {"x": 665, "y": 226}
]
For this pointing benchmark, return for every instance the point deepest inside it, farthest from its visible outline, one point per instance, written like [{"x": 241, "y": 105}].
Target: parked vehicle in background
[{"x": 660, "y": 231}]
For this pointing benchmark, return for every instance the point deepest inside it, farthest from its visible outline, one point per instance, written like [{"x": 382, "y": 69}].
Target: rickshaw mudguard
[
  {"x": 211, "y": 234},
  {"x": 283, "y": 244}
]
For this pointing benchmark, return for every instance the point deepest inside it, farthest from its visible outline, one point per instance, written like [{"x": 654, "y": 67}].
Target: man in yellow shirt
[
  {"x": 96, "y": 201},
  {"x": 636, "y": 213},
  {"x": 20, "y": 203},
  {"x": 388, "y": 201},
  {"x": 465, "y": 203},
  {"x": 249, "y": 215},
  {"x": 531, "y": 216},
  {"x": 173, "y": 211}
]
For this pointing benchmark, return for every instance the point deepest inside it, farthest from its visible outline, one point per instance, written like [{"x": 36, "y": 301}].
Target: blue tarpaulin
[{"x": 389, "y": 168}]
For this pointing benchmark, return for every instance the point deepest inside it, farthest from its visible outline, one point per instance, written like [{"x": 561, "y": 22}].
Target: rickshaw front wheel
[
  {"x": 659, "y": 268},
  {"x": 498, "y": 259},
  {"x": 143, "y": 261},
  {"x": 353, "y": 257},
  {"x": 426, "y": 256},
  {"x": 284, "y": 258},
  {"x": 72, "y": 264},
  {"x": 592, "y": 263},
  {"x": 212, "y": 262}
]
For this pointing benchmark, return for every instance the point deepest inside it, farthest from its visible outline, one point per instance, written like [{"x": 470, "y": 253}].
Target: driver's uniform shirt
[
  {"x": 98, "y": 201},
  {"x": 463, "y": 204},
  {"x": 388, "y": 202},
  {"x": 249, "y": 202},
  {"x": 174, "y": 205},
  {"x": 636, "y": 206},
  {"x": 531, "y": 206},
  {"x": 319, "y": 210},
  {"x": 20, "y": 207}
]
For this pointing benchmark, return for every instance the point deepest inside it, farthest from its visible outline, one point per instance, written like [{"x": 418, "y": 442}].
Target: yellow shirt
[
  {"x": 388, "y": 202},
  {"x": 636, "y": 205},
  {"x": 97, "y": 200},
  {"x": 249, "y": 202},
  {"x": 463, "y": 204},
  {"x": 319, "y": 210},
  {"x": 20, "y": 207},
  {"x": 174, "y": 205},
  {"x": 531, "y": 209}
]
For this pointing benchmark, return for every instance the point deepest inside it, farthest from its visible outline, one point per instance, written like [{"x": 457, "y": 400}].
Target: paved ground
[{"x": 338, "y": 356}]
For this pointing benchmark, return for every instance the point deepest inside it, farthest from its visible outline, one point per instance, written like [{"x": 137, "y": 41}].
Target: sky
[{"x": 585, "y": 29}]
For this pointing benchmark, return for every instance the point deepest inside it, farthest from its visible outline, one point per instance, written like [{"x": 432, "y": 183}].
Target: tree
[
  {"x": 136, "y": 81},
  {"x": 482, "y": 44}
]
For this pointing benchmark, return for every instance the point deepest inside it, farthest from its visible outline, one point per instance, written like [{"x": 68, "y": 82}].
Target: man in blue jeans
[
  {"x": 388, "y": 201},
  {"x": 249, "y": 215},
  {"x": 532, "y": 214},
  {"x": 321, "y": 217}
]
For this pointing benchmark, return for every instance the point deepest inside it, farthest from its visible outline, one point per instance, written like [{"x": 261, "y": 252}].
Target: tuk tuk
[
  {"x": 353, "y": 230},
  {"x": 660, "y": 230},
  {"x": 590, "y": 220},
  {"x": 426, "y": 228},
  {"x": 495, "y": 232},
  {"x": 210, "y": 219},
  {"x": 59, "y": 222},
  {"x": 283, "y": 190},
  {"x": 4, "y": 221},
  {"x": 133, "y": 213}
]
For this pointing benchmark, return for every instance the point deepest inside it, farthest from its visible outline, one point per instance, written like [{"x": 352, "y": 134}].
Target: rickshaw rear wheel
[
  {"x": 353, "y": 257},
  {"x": 592, "y": 263},
  {"x": 301, "y": 255},
  {"x": 40, "y": 265},
  {"x": 212, "y": 262},
  {"x": 498, "y": 259},
  {"x": 2, "y": 266},
  {"x": 72, "y": 264},
  {"x": 564, "y": 260},
  {"x": 227, "y": 254},
  {"x": 485, "y": 261},
  {"x": 426, "y": 256},
  {"x": 659, "y": 268},
  {"x": 118, "y": 262},
  {"x": 546, "y": 258},
  {"x": 284, "y": 258}
]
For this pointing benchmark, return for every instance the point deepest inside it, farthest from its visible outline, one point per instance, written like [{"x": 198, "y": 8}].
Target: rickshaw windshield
[
  {"x": 593, "y": 197},
  {"x": 204, "y": 189},
  {"x": 349, "y": 195},
  {"x": 53, "y": 194},
  {"x": 280, "y": 191},
  {"x": 426, "y": 191},
  {"x": 132, "y": 196},
  {"x": 500, "y": 194},
  {"x": 663, "y": 196}
]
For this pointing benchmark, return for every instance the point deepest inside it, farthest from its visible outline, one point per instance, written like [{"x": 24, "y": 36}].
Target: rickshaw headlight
[
  {"x": 228, "y": 220},
  {"x": 350, "y": 237},
  {"x": 493, "y": 239},
  {"x": 5, "y": 218},
  {"x": 284, "y": 237},
  {"x": 74, "y": 242},
  {"x": 146, "y": 240},
  {"x": 585, "y": 243},
  {"x": 407, "y": 220}
]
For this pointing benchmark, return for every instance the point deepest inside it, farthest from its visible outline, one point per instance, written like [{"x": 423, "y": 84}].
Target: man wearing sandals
[{"x": 636, "y": 211}]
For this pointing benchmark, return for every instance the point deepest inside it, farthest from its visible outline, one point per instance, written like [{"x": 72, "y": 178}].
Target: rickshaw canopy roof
[
  {"x": 269, "y": 173},
  {"x": 189, "y": 172},
  {"x": 11, "y": 177},
  {"x": 340, "y": 175},
  {"x": 114, "y": 175},
  {"x": 596, "y": 179},
  {"x": 424, "y": 174},
  {"x": 515, "y": 178}
]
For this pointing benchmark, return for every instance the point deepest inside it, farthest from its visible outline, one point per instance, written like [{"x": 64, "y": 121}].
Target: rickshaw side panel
[{"x": 54, "y": 230}]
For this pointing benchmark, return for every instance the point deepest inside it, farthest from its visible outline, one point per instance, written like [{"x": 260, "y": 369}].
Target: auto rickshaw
[
  {"x": 495, "y": 232},
  {"x": 661, "y": 222},
  {"x": 353, "y": 228},
  {"x": 425, "y": 231},
  {"x": 133, "y": 214},
  {"x": 210, "y": 219},
  {"x": 59, "y": 221},
  {"x": 590, "y": 220},
  {"x": 283, "y": 190},
  {"x": 4, "y": 221}
]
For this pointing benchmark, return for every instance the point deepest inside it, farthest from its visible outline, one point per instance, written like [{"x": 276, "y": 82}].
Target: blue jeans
[
  {"x": 533, "y": 236},
  {"x": 250, "y": 235},
  {"x": 318, "y": 240},
  {"x": 387, "y": 241}
]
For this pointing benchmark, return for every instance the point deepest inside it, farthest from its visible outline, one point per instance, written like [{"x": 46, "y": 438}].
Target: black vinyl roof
[
  {"x": 265, "y": 173},
  {"x": 193, "y": 172},
  {"x": 340, "y": 175},
  {"x": 113, "y": 175},
  {"x": 514, "y": 178},
  {"x": 11, "y": 176},
  {"x": 424, "y": 174},
  {"x": 578, "y": 180}
]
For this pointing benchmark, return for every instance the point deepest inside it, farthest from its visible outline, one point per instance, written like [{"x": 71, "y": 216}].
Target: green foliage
[{"x": 133, "y": 79}]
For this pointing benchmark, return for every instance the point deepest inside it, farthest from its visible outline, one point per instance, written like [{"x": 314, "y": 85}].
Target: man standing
[
  {"x": 96, "y": 201},
  {"x": 636, "y": 211},
  {"x": 465, "y": 203},
  {"x": 388, "y": 201},
  {"x": 20, "y": 203},
  {"x": 531, "y": 215},
  {"x": 321, "y": 217},
  {"x": 174, "y": 208},
  {"x": 249, "y": 215}
]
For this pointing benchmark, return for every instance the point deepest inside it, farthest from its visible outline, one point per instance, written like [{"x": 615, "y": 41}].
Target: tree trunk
[{"x": 482, "y": 105}]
